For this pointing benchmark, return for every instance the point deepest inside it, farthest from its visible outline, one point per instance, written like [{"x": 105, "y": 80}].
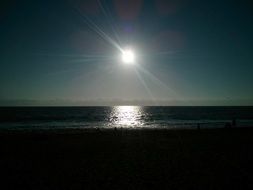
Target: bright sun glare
[{"x": 128, "y": 56}]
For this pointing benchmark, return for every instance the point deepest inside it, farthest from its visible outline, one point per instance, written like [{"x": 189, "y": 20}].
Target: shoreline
[{"x": 116, "y": 129}]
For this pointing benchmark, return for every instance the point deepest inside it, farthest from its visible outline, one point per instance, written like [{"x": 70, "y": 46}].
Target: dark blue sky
[{"x": 187, "y": 52}]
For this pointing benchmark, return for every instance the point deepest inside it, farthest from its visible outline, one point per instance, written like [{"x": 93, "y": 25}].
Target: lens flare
[{"x": 128, "y": 56}]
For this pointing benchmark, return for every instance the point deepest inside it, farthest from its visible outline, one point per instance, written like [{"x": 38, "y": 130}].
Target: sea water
[{"x": 132, "y": 117}]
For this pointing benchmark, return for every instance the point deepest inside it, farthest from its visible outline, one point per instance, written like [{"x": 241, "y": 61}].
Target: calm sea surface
[{"x": 122, "y": 116}]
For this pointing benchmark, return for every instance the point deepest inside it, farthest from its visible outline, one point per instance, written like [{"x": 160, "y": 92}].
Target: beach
[
  {"x": 126, "y": 95},
  {"x": 127, "y": 159}
]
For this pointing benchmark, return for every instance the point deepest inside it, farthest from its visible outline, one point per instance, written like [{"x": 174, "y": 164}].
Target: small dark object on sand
[
  {"x": 98, "y": 129},
  {"x": 228, "y": 125}
]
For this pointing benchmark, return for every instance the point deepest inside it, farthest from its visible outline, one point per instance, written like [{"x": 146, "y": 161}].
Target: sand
[{"x": 127, "y": 159}]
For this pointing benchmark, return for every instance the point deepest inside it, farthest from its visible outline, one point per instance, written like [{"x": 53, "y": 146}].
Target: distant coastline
[{"x": 116, "y": 102}]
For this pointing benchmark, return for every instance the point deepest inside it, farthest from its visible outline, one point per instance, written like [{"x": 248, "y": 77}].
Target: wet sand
[{"x": 127, "y": 159}]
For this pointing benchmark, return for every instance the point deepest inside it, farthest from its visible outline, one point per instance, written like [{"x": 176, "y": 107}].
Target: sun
[{"x": 128, "y": 56}]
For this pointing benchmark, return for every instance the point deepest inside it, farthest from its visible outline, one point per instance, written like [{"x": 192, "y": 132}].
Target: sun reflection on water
[{"x": 126, "y": 116}]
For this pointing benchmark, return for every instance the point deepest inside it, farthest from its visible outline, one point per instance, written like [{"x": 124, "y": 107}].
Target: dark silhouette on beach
[
  {"x": 198, "y": 126},
  {"x": 234, "y": 122}
]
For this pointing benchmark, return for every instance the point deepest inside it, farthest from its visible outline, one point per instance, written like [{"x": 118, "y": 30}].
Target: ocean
[{"x": 132, "y": 117}]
